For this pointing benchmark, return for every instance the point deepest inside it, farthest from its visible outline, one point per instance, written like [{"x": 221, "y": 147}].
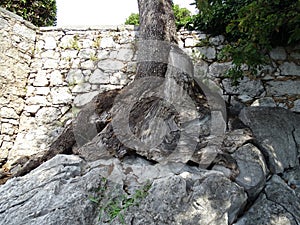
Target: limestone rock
[
  {"x": 277, "y": 131},
  {"x": 278, "y": 206},
  {"x": 55, "y": 193},
  {"x": 252, "y": 169}
]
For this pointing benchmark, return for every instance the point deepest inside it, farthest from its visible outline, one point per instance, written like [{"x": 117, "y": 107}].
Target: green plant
[
  {"x": 252, "y": 28},
  {"x": 39, "y": 12},
  {"x": 133, "y": 19},
  {"x": 116, "y": 206},
  {"x": 182, "y": 17},
  {"x": 97, "y": 42},
  {"x": 74, "y": 43}
]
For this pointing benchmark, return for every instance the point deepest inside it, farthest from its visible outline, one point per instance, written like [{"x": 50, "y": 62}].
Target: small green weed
[{"x": 117, "y": 206}]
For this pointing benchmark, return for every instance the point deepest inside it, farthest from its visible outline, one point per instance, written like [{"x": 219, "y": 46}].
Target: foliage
[
  {"x": 251, "y": 26},
  {"x": 117, "y": 205},
  {"x": 133, "y": 19},
  {"x": 182, "y": 17},
  {"x": 39, "y": 12}
]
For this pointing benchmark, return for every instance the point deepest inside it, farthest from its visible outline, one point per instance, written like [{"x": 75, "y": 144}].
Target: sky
[{"x": 100, "y": 12}]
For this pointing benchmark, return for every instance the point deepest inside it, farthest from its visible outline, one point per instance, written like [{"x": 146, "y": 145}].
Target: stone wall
[
  {"x": 17, "y": 42},
  {"x": 48, "y": 74}
]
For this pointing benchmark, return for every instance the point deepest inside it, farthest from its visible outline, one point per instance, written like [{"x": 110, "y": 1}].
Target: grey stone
[
  {"x": 267, "y": 102},
  {"x": 278, "y": 53},
  {"x": 37, "y": 100},
  {"x": 86, "y": 53},
  {"x": 47, "y": 115},
  {"x": 88, "y": 65},
  {"x": 42, "y": 90},
  {"x": 219, "y": 69},
  {"x": 83, "y": 99},
  {"x": 125, "y": 54},
  {"x": 51, "y": 64},
  {"x": 6, "y": 112},
  {"x": 24, "y": 31},
  {"x": 296, "y": 107},
  {"x": 277, "y": 131},
  {"x": 189, "y": 42},
  {"x": 290, "y": 69},
  {"x": 99, "y": 77},
  {"x": 107, "y": 42},
  {"x": 55, "y": 193},
  {"x": 207, "y": 52},
  {"x": 110, "y": 65},
  {"x": 81, "y": 88},
  {"x": 281, "y": 88},
  {"x": 50, "y": 43},
  {"x": 278, "y": 206},
  {"x": 217, "y": 40},
  {"x": 75, "y": 77},
  {"x": 56, "y": 78},
  {"x": 246, "y": 87},
  {"x": 61, "y": 95},
  {"x": 252, "y": 168},
  {"x": 235, "y": 139},
  {"x": 205, "y": 202},
  {"x": 41, "y": 79}
]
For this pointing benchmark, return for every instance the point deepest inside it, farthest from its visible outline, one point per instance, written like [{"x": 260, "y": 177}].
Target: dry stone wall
[
  {"x": 17, "y": 42},
  {"x": 48, "y": 74}
]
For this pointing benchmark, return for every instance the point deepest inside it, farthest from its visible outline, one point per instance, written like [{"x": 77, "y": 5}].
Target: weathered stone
[
  {"x": 125, "y": 54},
  {"x": 99, "y": 77},
  {"x": 246, "y": 87},
  {"x": 267, "y": 102},
  {"x": 218, "y": 69},
  {"x": 81, "y": 88},
  {"x": 282, "y": 88},
  {"x": 55, "y": 193},
  {"x": 51, "y": 64},
  {"x": 75, "y": 77},
  {"x": 42, "y": 91},
  {"x": 50, "y": 43},
  {"x": 290, "y": 69},
  {"x": 252, "y": 169},
  {"x": 83, "y": 99},
  {"x": 24, "y": 31},
  {"x": 277, "y": 131},
  {"x": 88, "y": 65},
  {"x": 51, "y": 54},
  {"x": 56, "y": 78},
  {"x": 37, "y": 100},
  {"x": 7, "y": 128},
  {"x": 296, "y": 107},
  {"x": 278, "y": 53},
  {"x": 110, "y": 65},
  {"x": 107, "y": 42},
  {"x": 207, "y": 52},
  {"x": 189, "y": 42},
  {"x": 217, "y": 40},
  {"x": 47, "y": 115},
  {"x": 32, "y": 108},
  {"x": 61, "y": 95},
  {"x": 10, "y": 113},
  {"x": 41, "y": 79},
  {"x": 236, "y": 139},
  {"x": 86, "y": 53},
  {"x": 278, "y": 206}
]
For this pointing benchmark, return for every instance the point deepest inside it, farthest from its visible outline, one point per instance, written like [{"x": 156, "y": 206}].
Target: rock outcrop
[{"x": 94, "y": 187}]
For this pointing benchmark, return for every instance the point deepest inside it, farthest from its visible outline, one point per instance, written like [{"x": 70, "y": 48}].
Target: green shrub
[
  {"x": 133, "y": 19},
  {"x": 252, "y": 28},
  {"x": 39, "y": 12},
  {"x": 182, "y": 17}
]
